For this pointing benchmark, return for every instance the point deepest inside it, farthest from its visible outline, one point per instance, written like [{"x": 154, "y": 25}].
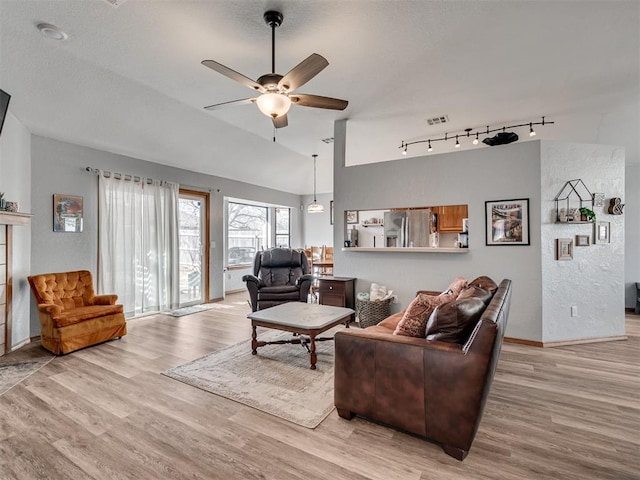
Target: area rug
[
  {"x": 277, "y": 380},
  {"x": 14, "y": 372},
  {"x": 181, "y": 312}
]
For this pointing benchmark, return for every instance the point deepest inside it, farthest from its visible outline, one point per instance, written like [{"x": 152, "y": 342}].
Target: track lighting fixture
[{"x": 501, "y": 138}]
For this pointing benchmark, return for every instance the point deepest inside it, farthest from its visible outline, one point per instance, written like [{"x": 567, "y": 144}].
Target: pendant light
[{"x": 315, "y": 207}]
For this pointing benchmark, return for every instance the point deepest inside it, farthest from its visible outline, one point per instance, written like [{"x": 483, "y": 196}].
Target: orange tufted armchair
[{"x": 72, "y": 316}]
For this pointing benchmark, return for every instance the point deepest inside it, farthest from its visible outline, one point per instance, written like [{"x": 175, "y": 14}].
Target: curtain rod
[{"x": 137, "y": 178}]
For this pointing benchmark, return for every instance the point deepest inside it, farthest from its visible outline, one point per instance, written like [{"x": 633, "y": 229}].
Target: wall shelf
[
  {"x": 372, "y": 224},
  {"x": 14, "y": 218},
  {"x": 405, "y": 250}
]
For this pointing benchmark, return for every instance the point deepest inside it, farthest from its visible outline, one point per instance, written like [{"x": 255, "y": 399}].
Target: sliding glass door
[{"x": 194, "y": 258}]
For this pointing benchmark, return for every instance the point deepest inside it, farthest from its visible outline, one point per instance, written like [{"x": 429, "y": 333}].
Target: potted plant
[{"x": 587, "y": 214}]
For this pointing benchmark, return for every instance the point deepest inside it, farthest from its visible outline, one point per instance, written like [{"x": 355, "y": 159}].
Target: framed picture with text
[
  {"x": 67, "y": 213},
  {"x": 507, "y": 222}
]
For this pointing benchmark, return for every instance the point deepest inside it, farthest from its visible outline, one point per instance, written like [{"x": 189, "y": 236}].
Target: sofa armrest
[
  {"x": 108, "y": 299},
  {"x": 307, "y": 277},
  {"x": 49, "y": 309},
  {"x": 252, "y": 279},
  {"x": 399, "y": 339}
]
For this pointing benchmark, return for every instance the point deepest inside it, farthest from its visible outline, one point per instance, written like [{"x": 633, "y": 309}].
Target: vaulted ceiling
[{"x": 129, "y": 79}]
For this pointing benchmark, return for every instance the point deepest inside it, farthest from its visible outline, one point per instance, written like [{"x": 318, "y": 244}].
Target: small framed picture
[
  {"x": 352, "y": 216},
  {"x": 598, "y": 199},
  {"x": 602, "y": 232},
  {"x": 67, "y": 213},
  {"x": 331, "y": 212},
  {"x": 583, "y": 240},
  {"x": 564, "y": 249}
]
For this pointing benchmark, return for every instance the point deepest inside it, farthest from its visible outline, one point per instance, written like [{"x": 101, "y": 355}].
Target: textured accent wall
[{"x": 594, "y": 280}]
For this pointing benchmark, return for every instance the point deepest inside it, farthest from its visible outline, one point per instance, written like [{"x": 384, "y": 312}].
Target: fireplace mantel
[
  {"x": 15, "y": 218},
  {"x": 8, "y": 220}
]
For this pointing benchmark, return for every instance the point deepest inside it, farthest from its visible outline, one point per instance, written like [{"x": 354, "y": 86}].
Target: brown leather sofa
[
  {"x": 431, "y": 388},
  {"x": 72, "y": 316}
]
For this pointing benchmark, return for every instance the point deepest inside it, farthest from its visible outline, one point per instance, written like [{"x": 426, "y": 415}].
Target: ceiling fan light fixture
[{"x": 273, "y": 104}]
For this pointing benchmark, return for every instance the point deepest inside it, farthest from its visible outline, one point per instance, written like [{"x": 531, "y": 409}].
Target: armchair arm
[
  {"x": 253, "y": 284},
  {"x": 49, "y": 309},
  {"x": 253, "y": 279},
  {"x": 304, "y": 284},
  {"x": 109, "y": 299}
]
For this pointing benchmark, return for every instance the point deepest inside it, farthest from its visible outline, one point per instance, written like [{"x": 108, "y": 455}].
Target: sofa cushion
[
  {"x": 81, "y": 314},
  {"x": 476, "y": 292},
  {"x": 415, "y": 318},
  {"x": 486, "y": 283},
  {"x": 453, "y": 321},
  {"x": 455, "y": 287},
  {"x": 391, "y": 322}
]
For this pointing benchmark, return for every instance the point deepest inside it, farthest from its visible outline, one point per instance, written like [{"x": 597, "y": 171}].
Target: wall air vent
[
  {"x": 115, "y": 3},
  {"x": 438, "y": 120}
]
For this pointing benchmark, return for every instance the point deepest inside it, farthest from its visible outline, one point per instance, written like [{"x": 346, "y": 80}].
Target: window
[
  {"x": 283, "y": 238},
  {"x": 247, "y": 232},
  {"x": 251, "y": 228}
]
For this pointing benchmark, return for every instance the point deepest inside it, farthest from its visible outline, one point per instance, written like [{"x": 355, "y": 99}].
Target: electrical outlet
[{"x": 574, "y": 311}]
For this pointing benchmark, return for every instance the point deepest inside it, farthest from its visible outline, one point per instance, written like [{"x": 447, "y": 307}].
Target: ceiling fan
[{"x": 275, "y": 90}]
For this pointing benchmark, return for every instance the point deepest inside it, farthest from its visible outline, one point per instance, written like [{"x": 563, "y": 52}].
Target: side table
[{"x": 337, "y": 291}]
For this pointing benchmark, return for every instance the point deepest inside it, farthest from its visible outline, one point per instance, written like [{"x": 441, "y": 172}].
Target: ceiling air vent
[
  {"x": 438, "y": 120},
  {"x": 115, "y": 3},
  {"x": 328, "y": 140}
]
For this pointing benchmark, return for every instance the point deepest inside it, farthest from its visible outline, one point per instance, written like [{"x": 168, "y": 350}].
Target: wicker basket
[{"x": 371, "y": 313}]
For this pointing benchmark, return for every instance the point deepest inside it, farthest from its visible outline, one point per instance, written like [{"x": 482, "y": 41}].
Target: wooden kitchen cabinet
[{"x": 450, "y": 218}]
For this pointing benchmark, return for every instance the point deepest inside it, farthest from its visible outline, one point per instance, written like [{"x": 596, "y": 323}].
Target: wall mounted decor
[
  {"x": 564, "y": 249},
  {"x": 615, "y": 206},
  {"x": 507, "y": 222},
  {"x": 352, "y": 216},
  {"x": 67, "y": 213},
  {"x": 598, "y": 199},
  {"x": 583, "y": 240},
  {"x": 572, "y": 197},
  {"x": 602, "y": 233}
]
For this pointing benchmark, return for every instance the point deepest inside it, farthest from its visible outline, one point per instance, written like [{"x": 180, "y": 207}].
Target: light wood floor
[{"x": 106, "y": 412}]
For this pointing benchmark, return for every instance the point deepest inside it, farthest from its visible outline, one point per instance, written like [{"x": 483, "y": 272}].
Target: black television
[{"x": 4, "y": 107}]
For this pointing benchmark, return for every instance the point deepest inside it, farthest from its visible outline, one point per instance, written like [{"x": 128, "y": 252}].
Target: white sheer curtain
[{"x": 138, "y": 243}]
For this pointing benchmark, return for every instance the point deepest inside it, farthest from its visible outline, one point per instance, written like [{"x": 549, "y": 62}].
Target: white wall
[
  {"x": 318, "y": 230},
  {"x": 468, "y": 177},
  {"x": 594, "y": 280},
  {"x": 632, "y": 232},
  {"x": 15, "y": 182},
  {"x": 59, "y": 167}
]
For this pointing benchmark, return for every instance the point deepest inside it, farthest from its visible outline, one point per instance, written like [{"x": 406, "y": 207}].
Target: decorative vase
[{"x": 2, "y": 202}]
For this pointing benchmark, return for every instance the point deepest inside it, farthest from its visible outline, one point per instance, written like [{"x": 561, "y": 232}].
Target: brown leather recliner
[
  {"x": 427, "y": 387},
  {"x": 72, "y": 316},
  {"x": 280, "y": 275}
]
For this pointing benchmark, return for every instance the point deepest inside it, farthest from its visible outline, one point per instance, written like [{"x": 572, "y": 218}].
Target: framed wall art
[
  {"x": 507, "y": 222},
  {"x": 331, "y": 212},
  {"x": 583, "y": 240},
  {"x": 352, "y": 216},
  {"x": 564, "y": 249},
  {"x": 602, "y": 233},
  {"x": 67, "y": 213}
]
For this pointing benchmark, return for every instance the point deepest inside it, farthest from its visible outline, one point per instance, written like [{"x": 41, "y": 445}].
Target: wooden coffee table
[{"x": 305, "y": 319}]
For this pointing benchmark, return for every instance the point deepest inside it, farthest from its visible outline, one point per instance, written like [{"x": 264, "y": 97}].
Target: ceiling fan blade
[
  {"x": 233, "y": 75},
  {"x": 303, "y": 72},
  {"x": 317, "y": 101},
  {"x": 281, "y": 121},
  {"x": 244, "y": 101}
]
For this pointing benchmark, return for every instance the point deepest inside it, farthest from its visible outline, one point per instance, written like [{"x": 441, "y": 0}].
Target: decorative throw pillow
[
  {"x": 486, "y": 283},
  {"x": 455, "y": 287},
  {"x": 476, "y": 292},
  {"x": 415, "y": 317},
  {"x": 453, "y": 321}
]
